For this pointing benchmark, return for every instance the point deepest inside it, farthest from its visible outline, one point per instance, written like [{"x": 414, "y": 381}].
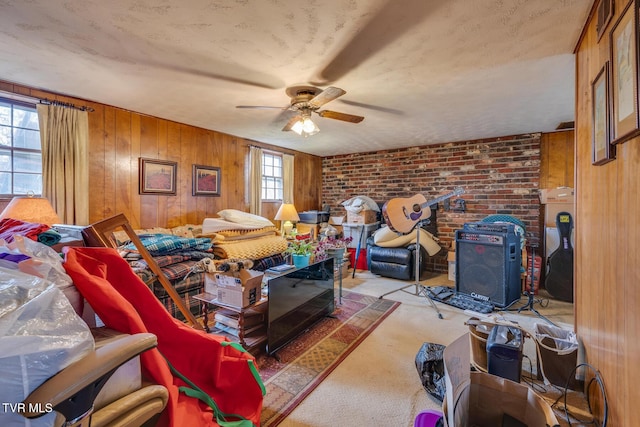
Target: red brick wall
[{"x": 498, "y": 175}]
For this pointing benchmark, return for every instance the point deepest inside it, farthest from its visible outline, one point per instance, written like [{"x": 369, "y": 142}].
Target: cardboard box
[
  {"x": 451, "y": 260},
  {"x": 551, "y": 211},
  {"x": 556, "y": 195},
  {"x": 477, "y": 398},
  {"x": 336, "y": 220},
  {"x": 305, "y": 228},
  {"x": 239, "y": 289},
  {"x": 210, "y": 284},
  {"x": 362, "y": 217}
]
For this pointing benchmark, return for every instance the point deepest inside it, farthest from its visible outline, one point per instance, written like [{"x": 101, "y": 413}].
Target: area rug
[{"x": 307, "y": 360}]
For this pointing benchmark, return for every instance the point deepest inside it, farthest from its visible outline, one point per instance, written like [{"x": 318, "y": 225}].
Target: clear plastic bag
[
  {"x": 46, "y": 263},
  {"x": 40, "y": 334}
]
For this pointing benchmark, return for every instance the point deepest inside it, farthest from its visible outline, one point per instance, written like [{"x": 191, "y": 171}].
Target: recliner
[
  {"x": 396, "y": 263},
  {"x": 72, "y": 391}
]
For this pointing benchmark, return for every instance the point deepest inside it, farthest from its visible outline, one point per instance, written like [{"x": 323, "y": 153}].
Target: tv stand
[{"x": 297, "y": 300}]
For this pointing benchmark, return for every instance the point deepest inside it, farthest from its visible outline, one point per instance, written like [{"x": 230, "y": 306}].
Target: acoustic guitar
[
  {"x": 403, "y": 213},
  {"x": 559, "y": 281}
]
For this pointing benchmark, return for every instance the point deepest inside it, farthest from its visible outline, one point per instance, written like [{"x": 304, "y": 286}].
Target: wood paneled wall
[
  {"x": 607, "y": 249},
  {"x": 557, "y": 153},
  {"x": 119, "y": 137}
]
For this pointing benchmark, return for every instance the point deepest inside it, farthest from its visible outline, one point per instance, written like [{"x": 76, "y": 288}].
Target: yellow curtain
[
  {"x": 287, "y": 178},
  {"x": 64, "y": 135},
  {"x": 255, "y": 187}
]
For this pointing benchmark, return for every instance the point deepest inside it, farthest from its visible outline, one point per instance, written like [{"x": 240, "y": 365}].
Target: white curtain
[
  {"x": 287, "y": 178},
  {"x": 255, "y": 187},
  {"x": 64, "y": 135}
]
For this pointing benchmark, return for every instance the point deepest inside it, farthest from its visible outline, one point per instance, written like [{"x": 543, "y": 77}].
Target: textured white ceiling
[{"x": 420, "y": 71}]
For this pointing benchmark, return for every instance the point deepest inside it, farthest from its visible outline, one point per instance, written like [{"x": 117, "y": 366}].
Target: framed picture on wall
[
  {"x": 624, "y": 76},
  {"x": 601, "y": 147},
  {"x": 605, "y": 13},
  {"x": 206, "y": 180},
  {"x": 157, "y": 176}
]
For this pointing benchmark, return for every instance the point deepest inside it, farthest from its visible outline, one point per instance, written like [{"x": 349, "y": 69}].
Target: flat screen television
[{"x": 297, "y": 300}]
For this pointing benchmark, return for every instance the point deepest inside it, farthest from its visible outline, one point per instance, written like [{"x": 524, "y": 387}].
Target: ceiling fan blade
[
  {"x": 239, "y": 75},
  {"x": 327, "y": 114},
  {"x": 389, "y": 24},
  {"x": 329, "y": 94},
  {"x": 291, "y": 122},
  {"x": 373, "y": 107}
]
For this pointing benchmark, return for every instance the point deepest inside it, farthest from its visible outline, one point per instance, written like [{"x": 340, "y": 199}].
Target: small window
[
  {"x": 271, "y": 176},
  {"x": 20, "y": 149}
]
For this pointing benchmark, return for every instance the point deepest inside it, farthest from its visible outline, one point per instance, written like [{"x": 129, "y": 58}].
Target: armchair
[
  {"x": 396, "y": 263},
  {"x": 72, "y": 392}
]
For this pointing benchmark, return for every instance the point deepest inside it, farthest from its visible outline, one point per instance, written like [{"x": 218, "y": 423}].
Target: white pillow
[{"x": 245, "y": 218}]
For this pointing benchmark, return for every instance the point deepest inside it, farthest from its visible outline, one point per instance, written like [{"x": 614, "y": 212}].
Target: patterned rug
[{"x": 307, "y": 360}]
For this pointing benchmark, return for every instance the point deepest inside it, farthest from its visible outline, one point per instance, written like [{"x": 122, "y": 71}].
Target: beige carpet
[{"x": 377, "y": 384}]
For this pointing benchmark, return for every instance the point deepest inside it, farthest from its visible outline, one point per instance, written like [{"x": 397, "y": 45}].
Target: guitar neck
[{"x": 437, "y": 200}]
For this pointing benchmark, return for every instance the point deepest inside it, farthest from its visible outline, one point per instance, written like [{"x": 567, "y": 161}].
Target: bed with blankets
[{"x": 183, "y": 252}]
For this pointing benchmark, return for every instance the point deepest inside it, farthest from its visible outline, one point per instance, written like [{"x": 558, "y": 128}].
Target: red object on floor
[
  {"x": 362, "y": 259},
  {"x": 536, "y": 274}
]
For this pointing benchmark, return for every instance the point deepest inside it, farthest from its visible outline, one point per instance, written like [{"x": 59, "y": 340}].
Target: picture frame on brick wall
[{"x": 602, "y": 151}]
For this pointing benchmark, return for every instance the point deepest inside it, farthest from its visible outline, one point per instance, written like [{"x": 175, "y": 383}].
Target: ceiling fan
[{"x": 306, "y": 100}]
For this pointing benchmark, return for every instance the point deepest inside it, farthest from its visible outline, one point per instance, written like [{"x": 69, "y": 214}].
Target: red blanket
[{"x": 125, "y": 303}]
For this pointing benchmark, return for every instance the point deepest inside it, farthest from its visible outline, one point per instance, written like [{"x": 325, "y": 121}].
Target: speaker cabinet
[{"x": 488, "y": 261}]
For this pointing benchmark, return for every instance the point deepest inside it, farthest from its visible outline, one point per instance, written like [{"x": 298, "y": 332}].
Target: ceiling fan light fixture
[
  {"x": 309, "y": 127},
  {"x": 305, "y": 127}
]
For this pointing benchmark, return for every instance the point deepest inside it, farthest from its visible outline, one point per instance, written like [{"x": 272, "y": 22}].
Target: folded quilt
[
  {"x": 215, "y": 225},
  {"x": 261, "y": 247},
  {"x": 233, "y": 235},
  {"x": 165, "y": 244}
]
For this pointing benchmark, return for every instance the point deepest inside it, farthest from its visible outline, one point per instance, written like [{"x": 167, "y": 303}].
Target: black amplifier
[
  {"x": 488, "y": 262},
  {"x": 493, "y": 227}
]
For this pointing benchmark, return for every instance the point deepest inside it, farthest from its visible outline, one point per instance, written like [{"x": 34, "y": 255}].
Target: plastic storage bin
[
  {"x": 427, "y": 418},
  {"x": 504, "y": 352},
  {"x": 361, "y": 231}
]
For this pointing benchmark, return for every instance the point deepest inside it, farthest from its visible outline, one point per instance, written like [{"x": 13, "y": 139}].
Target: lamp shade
[
  {"x": 287, "y": 212},
  {"x": 31, "y": 209}
]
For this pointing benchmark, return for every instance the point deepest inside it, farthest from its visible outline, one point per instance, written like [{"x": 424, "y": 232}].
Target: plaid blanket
[
  {"x": 165, "y": 244},
  {"x": 162, "y": 261}
]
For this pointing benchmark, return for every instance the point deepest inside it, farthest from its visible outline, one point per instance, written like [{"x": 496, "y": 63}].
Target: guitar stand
[
  {"x": 531, "y": 292},
  {"x": 419, "y": 288}
]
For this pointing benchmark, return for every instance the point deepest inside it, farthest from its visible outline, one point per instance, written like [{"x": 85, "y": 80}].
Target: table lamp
[
  {"x": 286, "y": 214},
  {"x": 31, "y": 209}
]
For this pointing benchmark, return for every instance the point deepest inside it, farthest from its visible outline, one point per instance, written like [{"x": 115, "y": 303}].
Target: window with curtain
[
  {"x": 20, "y": 149},
  {"x": 272, "y": 177}
]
